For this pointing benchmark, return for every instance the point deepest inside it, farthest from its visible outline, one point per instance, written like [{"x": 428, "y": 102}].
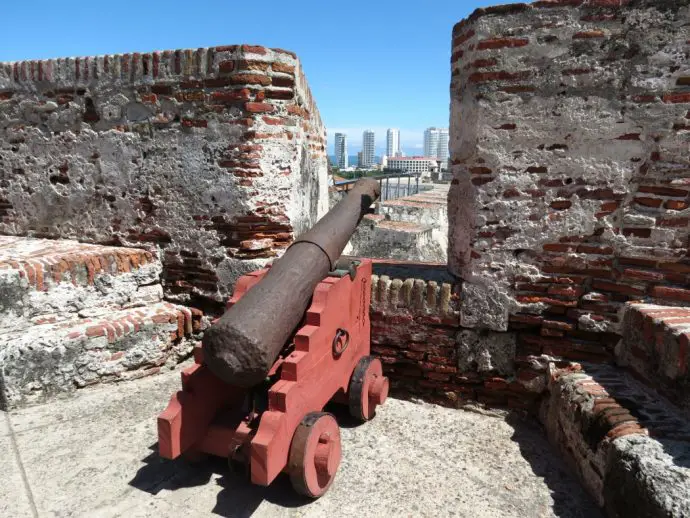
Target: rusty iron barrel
[{"x": 243, "y": 344}]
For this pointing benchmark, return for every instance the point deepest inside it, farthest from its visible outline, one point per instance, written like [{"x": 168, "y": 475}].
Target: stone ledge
[
  {"x": 415, "y": 297},
  {"x": 47, "y": 281},
  {"x": 405, "y": 227},
  {"x": 52, "y": 359},
  {"x": 604, "y": 422},
  {"x": 45, "y": 263},
  {"x": 656, "y": 348}
]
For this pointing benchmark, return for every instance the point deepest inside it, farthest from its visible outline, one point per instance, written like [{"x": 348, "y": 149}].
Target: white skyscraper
[
  {"x": 436, "y": 143},
  {"x": 368, "y": 153},
  {"x": 431, "y": 142},
  {"x": 392, "y": 142},
  {"x": 341, "y": 150},
  {"x": 442, "y": 153}
]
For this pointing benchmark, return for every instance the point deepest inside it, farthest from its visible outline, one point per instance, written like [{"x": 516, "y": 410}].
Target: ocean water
[{"x": 352, "y": 160}]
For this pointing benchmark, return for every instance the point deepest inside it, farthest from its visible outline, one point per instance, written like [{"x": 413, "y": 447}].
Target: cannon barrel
[{"x": 241, "y": 347}]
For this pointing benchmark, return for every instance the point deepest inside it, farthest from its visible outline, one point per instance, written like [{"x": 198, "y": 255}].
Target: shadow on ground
[
  {"x": 237, "y": 496},
  {"x": 531, "y": 439}
]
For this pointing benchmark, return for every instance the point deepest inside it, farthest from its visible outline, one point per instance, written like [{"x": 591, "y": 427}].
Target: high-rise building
[
  {"x": 442, "y": 153},
  {"x": 436, "y": 145},
  {"x": 392, "y": 142},
  {"x": 368, "y": 153},
  {"x": 341, "y": 150},
  {"x": 431, "y": 137}
]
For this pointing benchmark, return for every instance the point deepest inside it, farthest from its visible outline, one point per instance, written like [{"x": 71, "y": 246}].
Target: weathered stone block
[
  {"x": 647, "y": 477},
  {"x": 484, "y": 306},
  {"x": 486, "y": 352}
]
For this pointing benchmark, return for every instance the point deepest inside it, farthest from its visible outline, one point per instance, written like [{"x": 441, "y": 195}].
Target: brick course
[{"x": 52, "y": 262}]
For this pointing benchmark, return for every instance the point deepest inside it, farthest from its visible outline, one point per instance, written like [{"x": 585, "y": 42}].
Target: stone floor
[{"x": 95, "y": 455}]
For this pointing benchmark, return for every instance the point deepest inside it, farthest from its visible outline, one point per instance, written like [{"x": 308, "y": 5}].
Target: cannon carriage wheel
[
  {"x": 314, "y": 454},
  {"x": 368, "y": 388}
]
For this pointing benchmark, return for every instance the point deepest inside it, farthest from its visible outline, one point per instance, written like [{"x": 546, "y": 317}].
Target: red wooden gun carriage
[{"x": 277, "y": 424}]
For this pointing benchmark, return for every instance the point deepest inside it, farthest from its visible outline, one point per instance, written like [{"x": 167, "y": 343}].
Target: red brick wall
[{"x": 415, "y": 331}]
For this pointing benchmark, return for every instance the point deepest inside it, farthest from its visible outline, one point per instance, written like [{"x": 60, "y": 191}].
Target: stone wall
[
  {"x": 213, "y": 158},
  {"x": 625, "y": 443},
  {"x": 411, "y": 228},
  {"x": 570, "y": 132}
]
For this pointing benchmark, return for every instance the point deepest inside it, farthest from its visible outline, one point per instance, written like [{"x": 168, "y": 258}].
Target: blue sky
[{"x": 370, "y": 64}]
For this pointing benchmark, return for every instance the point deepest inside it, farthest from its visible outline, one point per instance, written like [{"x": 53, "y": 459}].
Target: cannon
[
  {"x": 295, "y": 337},
  {"x": 241, "y": 347}
]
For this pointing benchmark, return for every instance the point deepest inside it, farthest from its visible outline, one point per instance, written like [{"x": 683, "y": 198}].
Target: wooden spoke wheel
[
  {"x": 368, "y": 388},
  {"x": 314, "y": 454}
]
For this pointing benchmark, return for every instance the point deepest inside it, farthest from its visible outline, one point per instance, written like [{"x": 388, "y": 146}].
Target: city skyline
[
  {"x": 411, "y": 141},
  {"x": 434, "y": 151}
]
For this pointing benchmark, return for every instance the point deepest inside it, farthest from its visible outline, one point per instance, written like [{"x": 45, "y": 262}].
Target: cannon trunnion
[{"x": 279, "y": 425}]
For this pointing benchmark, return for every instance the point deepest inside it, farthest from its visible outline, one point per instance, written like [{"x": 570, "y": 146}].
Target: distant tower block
[
  {"x": 442, "y": 152},
  {"x": 341, "y": 150},
  {"x": 392, "y": 142},
  {"x": 368, "y": 154},
  {"x": 436, "y": 143}
]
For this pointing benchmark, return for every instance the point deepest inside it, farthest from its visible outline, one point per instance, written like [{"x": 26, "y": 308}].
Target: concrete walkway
[{"x": 95, "y": 455}]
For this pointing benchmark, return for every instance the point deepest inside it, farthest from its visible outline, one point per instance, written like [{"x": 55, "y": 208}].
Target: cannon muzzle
[{"x": 241, "y": 347}]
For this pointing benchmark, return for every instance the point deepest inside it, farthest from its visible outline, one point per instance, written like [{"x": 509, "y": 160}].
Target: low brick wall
[
  {"x": 656, "y": 348},
  {"x": 47, "y": 281},
  {"x": 622, "y": 438},
  {"x": 52, "y": 359},
  {"x": 623, "y": 441},
  {"x": 415, "y": 330},
  {"x": 74, "y": 314}
]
